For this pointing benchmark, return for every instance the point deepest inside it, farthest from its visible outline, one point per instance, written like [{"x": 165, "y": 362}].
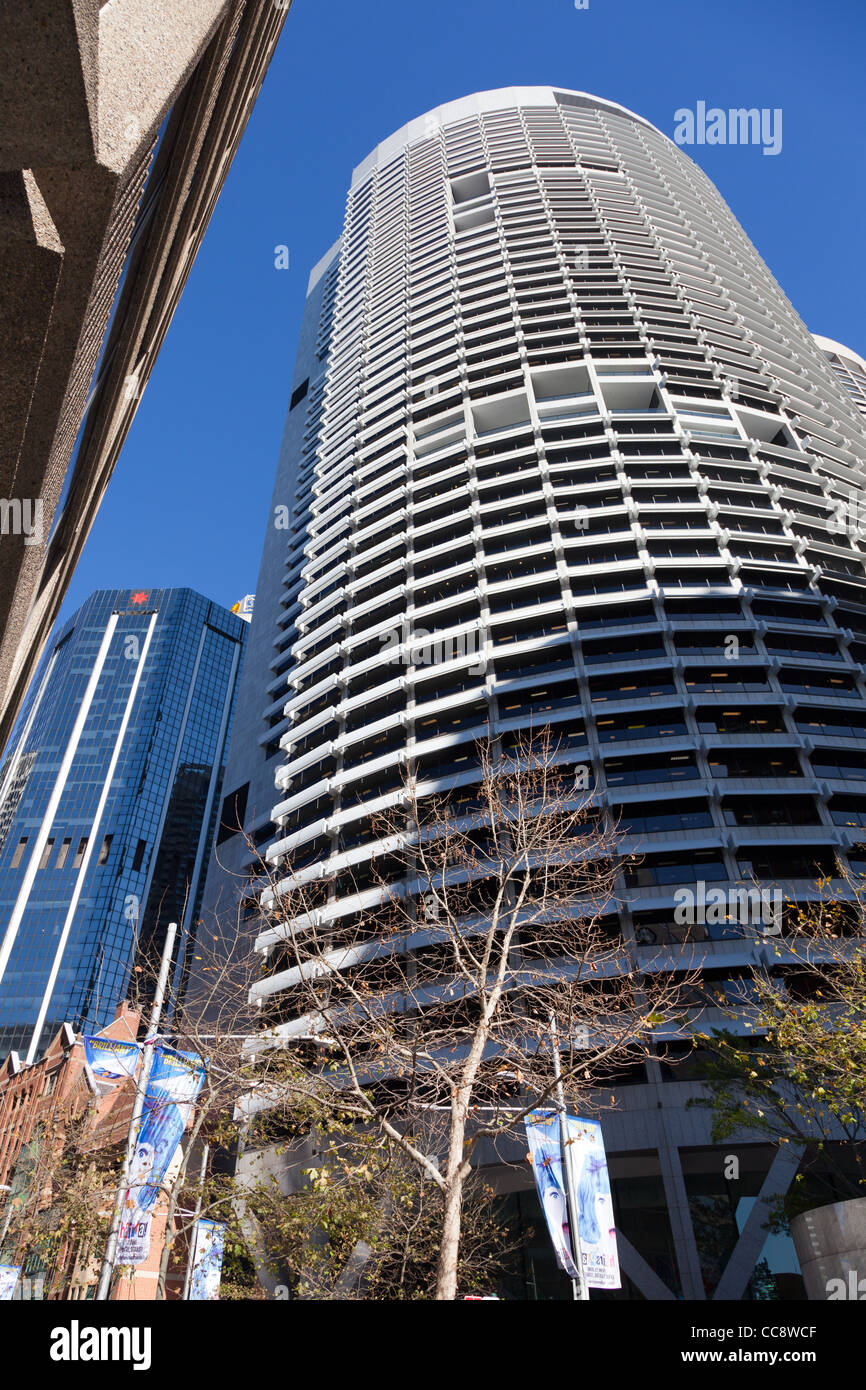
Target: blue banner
[
  {"x": 545, "y": 1150},
  {"x": 175, "y": 1080},
  {"x": 207, "y": 1260},
  {"x": 110, "y": 1060},
  {"x": 590, "y": 1186},
  {"x": 595, "y": 1221},
  {"x": 8, "y": 1279}
]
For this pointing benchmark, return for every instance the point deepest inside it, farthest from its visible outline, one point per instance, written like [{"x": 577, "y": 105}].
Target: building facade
[
  {"x": 109, "y": 793},
  {"x": 120, "y": 125},
  {"x": 560, "y": 452}
]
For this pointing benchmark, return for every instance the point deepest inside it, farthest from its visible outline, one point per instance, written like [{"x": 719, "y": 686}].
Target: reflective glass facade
[{"x": 109, "y": 792}]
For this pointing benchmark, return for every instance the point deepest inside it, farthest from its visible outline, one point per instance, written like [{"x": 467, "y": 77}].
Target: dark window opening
[
  {"x": 299, "y": 393},
  {"x": 232, "y": 815}
]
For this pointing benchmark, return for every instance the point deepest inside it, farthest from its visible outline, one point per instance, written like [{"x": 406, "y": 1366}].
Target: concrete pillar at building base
[{"x": 831, "y": 1247}]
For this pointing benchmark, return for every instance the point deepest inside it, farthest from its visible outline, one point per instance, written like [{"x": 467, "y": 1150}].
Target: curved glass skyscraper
[{"x": 560, "y": 452}]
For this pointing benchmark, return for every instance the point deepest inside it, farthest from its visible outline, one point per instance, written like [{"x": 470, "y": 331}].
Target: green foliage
[
  {"x": 762, "y": 1285},
  {"x": 800, "y": 1077},
  {"x": 239, "y": 1280},
  {"x": 61, "y": 1190},
  {"x": 365, "y": 1224}
]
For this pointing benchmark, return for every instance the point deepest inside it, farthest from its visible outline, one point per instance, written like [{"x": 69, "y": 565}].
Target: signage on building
[{"x": 244, "y": 607}]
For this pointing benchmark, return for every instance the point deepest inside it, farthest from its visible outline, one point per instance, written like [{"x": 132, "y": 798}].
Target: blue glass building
[{"x": 108, "y": 798}]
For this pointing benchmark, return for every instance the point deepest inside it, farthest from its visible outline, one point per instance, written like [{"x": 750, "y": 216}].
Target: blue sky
[{"x": 188, "y": 501}]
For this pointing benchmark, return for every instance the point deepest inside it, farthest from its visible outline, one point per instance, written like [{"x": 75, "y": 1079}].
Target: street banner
[
  {"x": 175, "y": 1080},
  {"x": 545, "y": 1150},
  {"x": 110, "y": 1060},
  {"x": 207, "y": 1260},
  {"x": 590, "y": 1180},
  {"x": 591, "y": 1185},
  {"x": 8, "y": 1280}
]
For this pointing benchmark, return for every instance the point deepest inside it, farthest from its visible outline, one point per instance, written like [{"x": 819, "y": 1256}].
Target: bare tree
[
  {"x": 426, "y": 993},
  {"x": 210, "y": 1020}
]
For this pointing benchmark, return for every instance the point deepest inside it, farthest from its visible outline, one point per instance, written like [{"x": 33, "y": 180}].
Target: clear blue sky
[{"x": 189, "y": 498}]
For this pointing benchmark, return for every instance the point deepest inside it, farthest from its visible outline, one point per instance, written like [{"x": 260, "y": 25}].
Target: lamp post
[
  {"x": 201, "y": 1182},
  {"x": 104, "y": 1285},
  {"x": 6, "y": 1187}
]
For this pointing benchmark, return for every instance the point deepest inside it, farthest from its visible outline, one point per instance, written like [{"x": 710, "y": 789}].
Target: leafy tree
[
  {"x": 798, "y": 1074},
  {"x": 365, "y": 1223},
  {"x": 58, "y": 1197}
]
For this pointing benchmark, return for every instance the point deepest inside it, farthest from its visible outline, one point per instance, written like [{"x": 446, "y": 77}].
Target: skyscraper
[
  {"x": 108, "y": 800},
  {"x": 559, "y": 451},
  {"x": 120, "y": 124}
]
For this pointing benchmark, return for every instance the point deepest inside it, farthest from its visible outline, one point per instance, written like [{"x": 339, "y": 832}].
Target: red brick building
[{"x": 38, "y": 1104}]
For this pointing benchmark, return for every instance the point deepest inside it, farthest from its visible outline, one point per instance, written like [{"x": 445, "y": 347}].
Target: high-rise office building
[
  {"x": 120, "y": 124},
  {"x": 109, "y": 793},
  {"x": 559, "y": 451},
  {"x": 849, "y": 367}
]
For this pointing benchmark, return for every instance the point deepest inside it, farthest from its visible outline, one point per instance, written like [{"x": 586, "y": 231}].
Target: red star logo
[{"x": 140, "y": 596}]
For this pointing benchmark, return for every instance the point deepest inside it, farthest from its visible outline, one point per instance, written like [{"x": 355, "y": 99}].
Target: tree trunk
[
  {"x": 168, "y": 1240},
  {"x": 449, "y": 1248}
]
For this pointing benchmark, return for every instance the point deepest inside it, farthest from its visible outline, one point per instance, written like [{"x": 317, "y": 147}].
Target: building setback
[
  {"x": 559, "y": 451},
  {"x": 849, "y": 367},
  {"x": 108, "y": 798}
]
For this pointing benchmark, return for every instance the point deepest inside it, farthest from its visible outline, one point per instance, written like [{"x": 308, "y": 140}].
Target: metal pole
[
  {"x": 6, "y": 1187},
  {"x": 578, "y": 1285},
  {"x": 104, "y": 1285},
  {"x": 188, "y": 1279}
]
